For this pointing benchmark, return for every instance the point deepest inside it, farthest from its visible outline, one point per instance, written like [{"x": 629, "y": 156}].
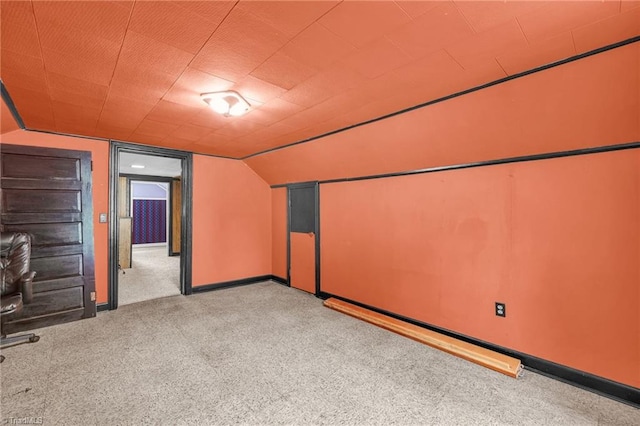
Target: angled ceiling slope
[{"x": 134, "y": 71}]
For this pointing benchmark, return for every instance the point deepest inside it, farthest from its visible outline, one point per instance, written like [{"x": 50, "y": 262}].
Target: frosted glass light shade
[{"x": 228, "y": 103}]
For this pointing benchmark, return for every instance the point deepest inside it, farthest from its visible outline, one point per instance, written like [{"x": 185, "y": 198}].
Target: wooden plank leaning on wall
[
  {"x": 176, "y": 216},
  {"x": 124, "y": 224}
]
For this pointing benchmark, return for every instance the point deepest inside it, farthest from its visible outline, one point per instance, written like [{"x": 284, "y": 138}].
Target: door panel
[
  {"x": 47, "y": 193},
  {"x": 20, "y": 166},
  {"x": 303, "y": 261},
  {"x": 65, "y": 299},
  {"x": 57, "y": 267},
  {"x": 57, "y": 284},
  {"x": 302, "y": 236},
  {"x": 20, "y": 218},
  {"x": 53, "y": 233},
  {"x": 19, "y": 200}
]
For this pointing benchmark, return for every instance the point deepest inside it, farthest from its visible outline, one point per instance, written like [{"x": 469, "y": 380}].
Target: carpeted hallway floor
[
  {"x": 153, "y": 274},
  {"x": 265, "y": 354}
]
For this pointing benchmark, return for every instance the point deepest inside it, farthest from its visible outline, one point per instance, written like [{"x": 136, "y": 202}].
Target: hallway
[{"x": 153, "y": 275}]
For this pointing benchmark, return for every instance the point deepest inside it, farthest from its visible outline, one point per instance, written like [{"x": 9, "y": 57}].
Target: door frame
[
  {"x": 186, "y": 158},
  {"x": 168, "y": 180},
  {"x": 316, "y": 186}
]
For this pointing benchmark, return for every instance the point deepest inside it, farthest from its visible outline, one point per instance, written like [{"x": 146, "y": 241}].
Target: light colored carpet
[
  {"x": 153, "y": 274},
  {"x": 265, "y": 354}
]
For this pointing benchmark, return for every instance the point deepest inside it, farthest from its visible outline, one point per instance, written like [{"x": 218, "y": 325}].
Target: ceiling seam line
[
  {"x": 522, "y": 31},
  {"x": 340, "y": 37},
  {"x": 213, "y": 33},
  {"x": 573, "y": 42},
  {"x": 200, "y": 50},
  {"x": 294, "y": 36},
  {"x": 288, "y": 42},
  {"x": 44, "y": 66},
  {"x": 453, "y": 59},
  {"x": 397, "y": 46},
  {"x": 124, "y": 36},
  {"x": 506, "y": 74},
  {"x": 189, "y": 63},
  {"x": 403, "y": 11},
  {"x": 473, "y": 29}
]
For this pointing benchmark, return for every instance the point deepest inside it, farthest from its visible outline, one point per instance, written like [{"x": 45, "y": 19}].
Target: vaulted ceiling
[{"x": 134, "y": 71}]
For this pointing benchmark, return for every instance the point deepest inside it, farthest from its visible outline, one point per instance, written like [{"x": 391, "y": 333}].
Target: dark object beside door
[
  {"x": 16, "y": 280},
  {"x": 47, "y": 193}
]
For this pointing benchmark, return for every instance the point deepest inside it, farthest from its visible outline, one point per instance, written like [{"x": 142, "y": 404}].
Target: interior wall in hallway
[
  {"x": 231, "y": 221},
  {"x": 557, "y": 240}
]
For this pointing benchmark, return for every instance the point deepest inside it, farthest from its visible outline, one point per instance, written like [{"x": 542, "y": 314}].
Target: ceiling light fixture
[
  {"x": 137, "y": 166},
  {"x": 228, "y": 103}
]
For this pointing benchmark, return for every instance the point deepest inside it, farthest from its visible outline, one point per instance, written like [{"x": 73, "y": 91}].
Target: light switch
[{"x": 103, "y": 218}]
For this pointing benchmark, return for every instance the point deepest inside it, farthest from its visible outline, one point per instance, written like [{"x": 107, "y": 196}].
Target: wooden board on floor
[{"x": 485, "y": 357}]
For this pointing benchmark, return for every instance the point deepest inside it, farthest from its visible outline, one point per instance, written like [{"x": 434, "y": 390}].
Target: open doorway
[
  {"x": 149, "y": 268},
  {"x": 150, "y": 224}
]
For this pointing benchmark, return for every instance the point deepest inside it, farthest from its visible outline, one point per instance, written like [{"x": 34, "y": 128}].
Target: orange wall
[
  {"x": 555, "y": 240},
  {"x": 7, "y": 123},
  {"x": 100, "y": 157},
  {"x": 231, "y": 221},
  {"x": 589, "y": 102},
  {"x": 279, "y": 232}
]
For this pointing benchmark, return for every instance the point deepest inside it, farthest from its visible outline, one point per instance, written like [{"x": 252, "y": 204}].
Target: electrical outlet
[{"x": 501, "y": 309}]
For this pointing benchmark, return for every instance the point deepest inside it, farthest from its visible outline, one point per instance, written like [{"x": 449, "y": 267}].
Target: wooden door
[
  {"x": 47, "y": 193},
  {"x": 303, "y": 230}
]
